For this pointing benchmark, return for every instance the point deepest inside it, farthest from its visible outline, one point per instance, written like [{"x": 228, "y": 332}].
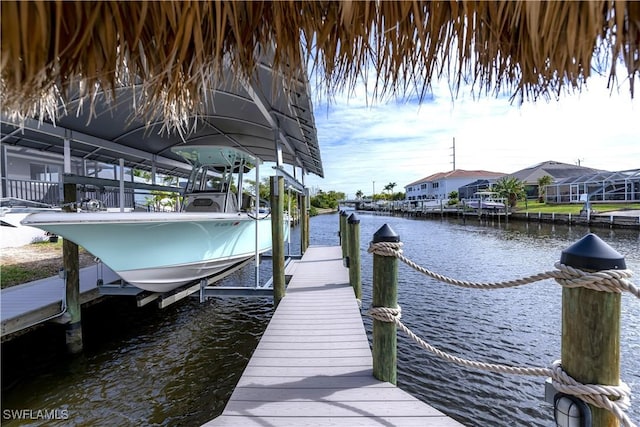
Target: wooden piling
[
  {"x": 71, "y": 265},
  {"x": 344, "y": 239},
  {"x": 385, "y": 294},
  {"x": 306, "y": 237},
  {"x": 277, "y": 237},
  {"x": 341, "y": 225},
  {"x": 591, "y": 323},
  {"x": 354, "y": 255},
  {"x": 304, "y": 224}
]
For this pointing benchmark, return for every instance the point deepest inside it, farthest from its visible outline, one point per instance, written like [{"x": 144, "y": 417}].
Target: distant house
[
  {"x": 556, "y": 170},
  {"x": 439, "y": 185}
]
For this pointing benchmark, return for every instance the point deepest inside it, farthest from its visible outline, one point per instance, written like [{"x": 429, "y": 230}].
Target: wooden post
[
  {"x": 344, "y": 240},
  {"x": 591, "y": 323},
  {"x": 70, "y": 264},
  {"x": 340, "y": 229},
  {"x": 385, "y": 294},
  {"x": 304, "y": 224},
  {"x": 354, "y": 255},
  {"x": 307, "y": 231},
  {"x": 506, "y": 211},
  {"x": 277, "y": 237}
]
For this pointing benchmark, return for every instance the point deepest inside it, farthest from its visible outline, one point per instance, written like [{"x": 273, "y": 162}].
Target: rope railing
[
  {"x": 597, "y": 395},
  {"x": 615, "y": 399},
  {"x": 604, "y": 281}
]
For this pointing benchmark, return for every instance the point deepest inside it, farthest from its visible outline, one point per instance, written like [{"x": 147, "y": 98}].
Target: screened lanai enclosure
[{"x": 623, "y": 186}]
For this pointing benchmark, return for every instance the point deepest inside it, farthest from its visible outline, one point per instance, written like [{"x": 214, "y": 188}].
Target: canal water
[{"x": 178, "y": 366}]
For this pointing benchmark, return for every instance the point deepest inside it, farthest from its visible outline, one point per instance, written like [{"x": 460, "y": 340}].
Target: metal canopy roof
[{"x": 252, "y": 116}]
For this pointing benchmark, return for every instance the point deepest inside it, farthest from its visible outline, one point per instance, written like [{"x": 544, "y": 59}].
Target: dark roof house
[{"x": 555, "y": 170}]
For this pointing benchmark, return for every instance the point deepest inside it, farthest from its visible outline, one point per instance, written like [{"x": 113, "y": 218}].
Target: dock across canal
[{"x": 313, "y": 365}]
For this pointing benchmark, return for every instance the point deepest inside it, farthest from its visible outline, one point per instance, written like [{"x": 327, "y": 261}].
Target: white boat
[
  {"x": 12, "y": 232},
  {"x": 485, "y": 200},
  {"x": 160, "y": 251}
]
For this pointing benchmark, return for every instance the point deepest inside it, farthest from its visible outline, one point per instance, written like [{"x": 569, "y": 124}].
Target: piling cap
[
  {"x": 353, "y": 219},
  {"x": 592, "y": 253},
  {"x": 385, "y": 234},
  {"x": 344, "y": 213}
]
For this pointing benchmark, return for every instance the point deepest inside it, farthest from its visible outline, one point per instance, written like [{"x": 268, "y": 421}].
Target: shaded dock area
[{"x": 313, "y": 365}]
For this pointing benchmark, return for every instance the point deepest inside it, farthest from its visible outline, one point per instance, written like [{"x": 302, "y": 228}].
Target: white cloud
[{"x": 402, "y": 142}]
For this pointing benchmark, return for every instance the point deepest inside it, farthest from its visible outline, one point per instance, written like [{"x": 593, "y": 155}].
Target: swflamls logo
[{"x": 35, "y": 414}]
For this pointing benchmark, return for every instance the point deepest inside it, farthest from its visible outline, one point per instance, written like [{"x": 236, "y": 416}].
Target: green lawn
[
  {"x": 535, "y": 207},
  {"x": 28, "y": 269},
  {"x": 15, "y": 274}
]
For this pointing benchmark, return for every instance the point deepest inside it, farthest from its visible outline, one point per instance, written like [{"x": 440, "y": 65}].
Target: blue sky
[{"x": 395, "y": 141}]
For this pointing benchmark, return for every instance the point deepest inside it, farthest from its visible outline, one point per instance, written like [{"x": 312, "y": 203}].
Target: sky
[{"x": 367, "y": 145}]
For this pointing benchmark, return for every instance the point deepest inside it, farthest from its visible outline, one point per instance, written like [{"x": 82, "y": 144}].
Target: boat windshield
[{"x": 210, "y": 179}]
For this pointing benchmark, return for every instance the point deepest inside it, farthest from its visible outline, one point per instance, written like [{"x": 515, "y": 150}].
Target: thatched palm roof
[{"x": 178, "y": 49}]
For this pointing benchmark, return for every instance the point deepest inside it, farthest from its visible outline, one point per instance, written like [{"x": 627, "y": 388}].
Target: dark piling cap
[
  {"x": 592, "y": 253},
  {"x": 344, "y": 213},
  {"x": 353, "y": 219},
  {"x": 385, "y": 234}
]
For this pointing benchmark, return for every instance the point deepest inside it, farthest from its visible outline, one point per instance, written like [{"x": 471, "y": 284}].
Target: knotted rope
[
  {"x": 597, "y": 395},
  {"x": 603, "y": 281}
]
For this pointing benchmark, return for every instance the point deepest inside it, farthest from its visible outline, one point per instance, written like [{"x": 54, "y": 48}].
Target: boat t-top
[{"x": 216, "y": 228}]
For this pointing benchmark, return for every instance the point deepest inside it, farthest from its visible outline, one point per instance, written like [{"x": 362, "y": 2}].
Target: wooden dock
[
  {"x": 32, "y": 303},
  {"x": 313, "y": 365}
]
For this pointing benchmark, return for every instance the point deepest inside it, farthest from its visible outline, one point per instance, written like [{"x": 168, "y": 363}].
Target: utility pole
[{"x": 453, "y": 148}]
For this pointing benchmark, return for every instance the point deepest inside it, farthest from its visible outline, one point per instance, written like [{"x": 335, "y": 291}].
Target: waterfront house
[
  {"x": 622, "y": 186},
  {"x": 556, "y": 170},
  {"x": 439, "y": 185}
]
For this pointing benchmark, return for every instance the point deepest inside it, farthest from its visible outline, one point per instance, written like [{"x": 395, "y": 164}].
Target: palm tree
[
  {"x": 543, "y": 181},
  {"x": 359, "y": 194},
  {"x": 510, "y": 188},
  {"x": 389, "y": 187}
]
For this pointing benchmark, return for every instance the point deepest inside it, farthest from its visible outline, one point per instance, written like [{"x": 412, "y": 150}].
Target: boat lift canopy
[{"x": 266, "y": 117}]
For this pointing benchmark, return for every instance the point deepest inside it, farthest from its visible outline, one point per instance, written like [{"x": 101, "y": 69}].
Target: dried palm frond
[{"x": 178, "y": 50}]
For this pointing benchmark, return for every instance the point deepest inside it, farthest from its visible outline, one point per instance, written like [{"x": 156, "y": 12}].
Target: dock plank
[
  {"x": 362, "y": 420},
  {"x": 313, "y": 365}
]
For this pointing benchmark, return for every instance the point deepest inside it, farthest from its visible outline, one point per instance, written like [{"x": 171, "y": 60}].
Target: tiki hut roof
[{"x": 176, "y": 51}]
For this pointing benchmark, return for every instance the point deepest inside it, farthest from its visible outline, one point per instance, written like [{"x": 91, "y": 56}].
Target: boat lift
[{"x": 203, "y": 288}]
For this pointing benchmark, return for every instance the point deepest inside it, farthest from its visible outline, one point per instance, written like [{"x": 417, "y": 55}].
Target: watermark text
[{"x": 35, "y": 414}]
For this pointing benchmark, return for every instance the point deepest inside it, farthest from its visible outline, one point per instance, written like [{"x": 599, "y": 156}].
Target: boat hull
[
  {"x": 161, "y": 251},
  {"x": 484, "y": 205}
]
